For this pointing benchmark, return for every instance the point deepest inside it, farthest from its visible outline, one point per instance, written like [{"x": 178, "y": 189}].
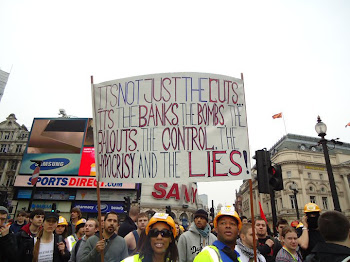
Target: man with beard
[
  {"x": 309, "y": 235},
  {"x": 245, "y": 244},
  {"x": 266, "y": 244},
  {"x": 196, "y": 238},
  {"x": 113, "y": 246},
  {"x": 227, "y": 224}
]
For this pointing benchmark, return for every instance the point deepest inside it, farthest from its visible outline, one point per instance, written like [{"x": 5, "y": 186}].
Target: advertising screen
[{"x": 58, "y": 143}]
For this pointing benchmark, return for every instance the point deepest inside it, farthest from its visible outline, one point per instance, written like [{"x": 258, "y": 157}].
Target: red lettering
[
  {"x": 217, "y": 161},
  {"x": 186, "y": 194},
  {"x": 72, "y": 181},
  {"x": 161, "y": 191},
  {"x": 174, "y": 192},
  {"x": 190, "y": 167},
  {"x": 235, "y": 163},
  {"x": 194, "y": 194},
  {"x": 90, "y": 181}
]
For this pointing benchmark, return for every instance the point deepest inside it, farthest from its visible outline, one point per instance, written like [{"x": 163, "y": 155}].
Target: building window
[
  {"x": 323, "y": 189},
  {"x": 6, "y": 136},
  {"x": 2, "y": 164},
  {"x": 267, "y": 207},
  {"x": 313, "y": 199},
  {"x": 309, "y": 175},
  {"x": 325, "y": 202},
  {"x": 292, "y": 201},
  {"x": 18, "y": 148},
  {"x": 10, "y": 181},
  {"x": 289, "y": 174},
  {"x": 13, "y": 165},
  {"x": 321, "y": 176},
  {"x": 3, "y": 148}
]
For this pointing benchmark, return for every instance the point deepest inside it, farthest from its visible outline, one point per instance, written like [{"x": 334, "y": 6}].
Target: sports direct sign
[
  {"x": 69, "y": 182},
  {"x": 188, "y": 127}
]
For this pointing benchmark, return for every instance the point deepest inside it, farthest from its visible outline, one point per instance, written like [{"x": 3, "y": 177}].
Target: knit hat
[{"x": 201, "y": 213}]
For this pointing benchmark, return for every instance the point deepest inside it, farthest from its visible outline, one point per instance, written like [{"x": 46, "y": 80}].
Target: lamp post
[
  {"x": 321, "y": 130},
  {"x": 294, "y": 187}
]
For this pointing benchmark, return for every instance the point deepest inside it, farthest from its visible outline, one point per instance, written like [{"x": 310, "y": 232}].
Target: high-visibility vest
[
  {"x": 135, "y": 258},
  {"x": 210, "y": 254},
  {"x": 71, "y": 241}
]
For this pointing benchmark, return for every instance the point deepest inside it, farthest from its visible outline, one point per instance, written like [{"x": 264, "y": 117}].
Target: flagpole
[
  {"x": 285, "y": 129},
  {"x": 96, "y": 167}
]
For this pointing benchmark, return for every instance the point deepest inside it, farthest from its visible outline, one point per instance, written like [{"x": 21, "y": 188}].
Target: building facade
[
  {"x": 303, "y": 163},
  {"x": 13, "y": 140}
]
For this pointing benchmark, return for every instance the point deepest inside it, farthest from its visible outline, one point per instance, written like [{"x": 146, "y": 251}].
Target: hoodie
[{"x": 192, "y": 242}]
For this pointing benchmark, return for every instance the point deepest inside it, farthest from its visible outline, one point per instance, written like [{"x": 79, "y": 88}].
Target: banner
[{"x": 188, "y": 127}]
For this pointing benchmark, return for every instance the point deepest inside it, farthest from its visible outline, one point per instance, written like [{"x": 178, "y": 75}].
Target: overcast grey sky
[{"x": 294, "y": 56}]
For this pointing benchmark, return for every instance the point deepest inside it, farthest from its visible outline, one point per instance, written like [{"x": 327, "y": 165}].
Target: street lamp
[
  {"x": 321, "y": 130},
  {"x": 294, "y": 187}
]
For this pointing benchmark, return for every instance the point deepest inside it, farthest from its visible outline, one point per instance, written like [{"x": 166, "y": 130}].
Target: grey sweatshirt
[{"x": 192, "y": 242}]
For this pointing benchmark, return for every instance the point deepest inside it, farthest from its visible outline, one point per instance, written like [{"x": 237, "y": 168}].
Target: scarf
[
  {"x": 249, "y": 252},
  {"x": 204, "y": 232}
]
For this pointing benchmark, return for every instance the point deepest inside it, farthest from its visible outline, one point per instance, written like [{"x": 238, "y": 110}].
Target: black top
[
  {"x": 324, "y": 252},
  {"x": 127, "y": 226},
  {"x": 268, "y": 252},
  {"x": 314, "y": 238}
]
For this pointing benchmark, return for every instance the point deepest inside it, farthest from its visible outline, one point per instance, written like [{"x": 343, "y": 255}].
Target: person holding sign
[
  {"x": 227, "y": 224},
  {"x": 113, "y": 246},
  {"x": 159, "y": 244}
]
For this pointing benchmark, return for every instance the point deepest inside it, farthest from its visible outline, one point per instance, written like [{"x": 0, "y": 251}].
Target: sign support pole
[{"x": 97, "y": 173}]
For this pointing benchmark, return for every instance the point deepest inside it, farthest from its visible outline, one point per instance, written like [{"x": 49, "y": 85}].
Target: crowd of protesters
[{"x": 47, "y": 237}]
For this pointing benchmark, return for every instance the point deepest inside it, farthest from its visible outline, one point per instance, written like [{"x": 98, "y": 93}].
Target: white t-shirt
[{"x": 46, "y": 251}]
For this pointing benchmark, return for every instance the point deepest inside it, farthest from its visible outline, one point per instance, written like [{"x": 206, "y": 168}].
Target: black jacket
[
  {"x": 25, "y": 243},
  {"x": 324, "y": 252},
  {"x": 8, "y": 248},
  {"x": 127, "y": 226}
]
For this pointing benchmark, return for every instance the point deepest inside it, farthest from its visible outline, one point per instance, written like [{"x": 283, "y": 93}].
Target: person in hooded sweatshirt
[
  {"x": 335, "y": 229},
  {"x": 196, "y": 238}
]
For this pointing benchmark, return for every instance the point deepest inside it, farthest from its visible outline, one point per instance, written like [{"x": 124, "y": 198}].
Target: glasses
[{"x": 156, "y": 232}]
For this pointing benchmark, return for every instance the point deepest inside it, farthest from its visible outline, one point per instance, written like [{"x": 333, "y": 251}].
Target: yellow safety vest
[
  {"x": 210, "y": 254},
  {"x": 135, "y": 258}
]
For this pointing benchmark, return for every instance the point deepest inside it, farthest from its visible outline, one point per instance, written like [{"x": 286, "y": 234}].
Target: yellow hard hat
[
  {"x": 228, "y": 211},
  {"x": 311, "y": 207},
  {"x": 81, "y": 223},
  {"x": 161, "y": 217},
  {"x": 62, "y": 221}
]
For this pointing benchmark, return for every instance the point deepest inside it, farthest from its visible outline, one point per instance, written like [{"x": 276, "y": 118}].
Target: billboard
[
  {"x": 58, "y": 143},
  {"x": 3, "y": 81},
  {"x": 171, "y": 127}
]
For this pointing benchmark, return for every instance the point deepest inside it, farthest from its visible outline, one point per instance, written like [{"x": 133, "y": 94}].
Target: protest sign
[{"x": 188, "y": 127}]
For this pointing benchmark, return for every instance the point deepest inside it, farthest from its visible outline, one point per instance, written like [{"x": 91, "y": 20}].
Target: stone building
[
  {"x": 303, "y": 163},
  {"x": 13, "y": 140}
]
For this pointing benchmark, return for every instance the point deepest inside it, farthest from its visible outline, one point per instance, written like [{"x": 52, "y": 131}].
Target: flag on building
[
  {"x": 4, "y": 76},
  {"x": 279, "y": 115},
  {"x": 348, "y": 124},
  {"x": 35, "y": 175}
]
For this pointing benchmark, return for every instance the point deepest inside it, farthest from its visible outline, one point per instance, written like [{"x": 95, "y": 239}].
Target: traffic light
[
  {"x": 168, "y": 210},
  {"x": 126, "y": 204},
  {"x": 212, "y": 213},
  {"x": 263, "y": 163},
  {"x": 275, "y": 177},
  {"x": 53, "y": 207}
]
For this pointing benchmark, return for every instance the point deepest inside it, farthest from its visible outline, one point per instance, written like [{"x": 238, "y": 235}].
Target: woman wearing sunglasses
[{"x": 159, "y": 244}]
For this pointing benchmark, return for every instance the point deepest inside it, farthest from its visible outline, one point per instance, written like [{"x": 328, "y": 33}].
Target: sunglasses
[{"x": 156, "y": 232}]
